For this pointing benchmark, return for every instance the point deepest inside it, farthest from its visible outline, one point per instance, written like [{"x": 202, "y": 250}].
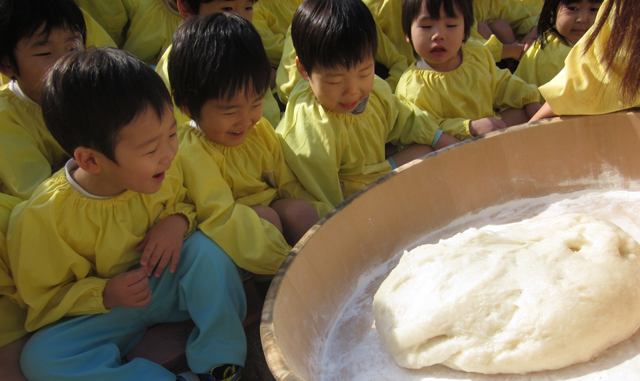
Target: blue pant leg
[
  {"x": 213, "y": 294},
  {"x": 90, "y": 347}
]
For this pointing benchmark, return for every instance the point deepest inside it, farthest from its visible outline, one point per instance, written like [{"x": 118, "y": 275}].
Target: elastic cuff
[
  {"x": 436, "y": 137},
  {"x": 392, "y": 162}
]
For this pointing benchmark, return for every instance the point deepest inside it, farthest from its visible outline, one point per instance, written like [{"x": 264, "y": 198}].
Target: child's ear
[
  {"x": 408, "y": 39},
  {"x": 87, "y": 160},
  {"x": 302, "y": 70},
  {"x": 5, "y": 67},
  {"x": 184, "y": 9}
]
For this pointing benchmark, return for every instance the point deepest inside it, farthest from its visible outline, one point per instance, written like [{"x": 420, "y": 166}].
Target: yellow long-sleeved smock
[
  {"x": 28, "y": 152},
  {"x": 150, "y": 33},
  {"x": 12, "y": 311},
  {"x": 287, "y": 75},
  {"x": 334, "y": 154},
  {"x": 539, "y": 66},
  {"x": 256, "y": 170},
  {"x": 270, "y": 108},
  {"x": 253, "y": 243},
  {"x": 522, "y": 15},
  {"x": 82, "y": 243},
  {"x": 272, "y": 18},
  {"x": 388, "y": 15},
  {"x": 111, "y": 15},
  {"x": 583, "y": 86},
  {"x": 469, "y": 92}
]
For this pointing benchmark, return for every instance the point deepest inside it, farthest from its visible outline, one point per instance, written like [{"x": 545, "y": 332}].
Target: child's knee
[
  {"x": 291, "y": 210},
  {"x": 267, "y": 213}
]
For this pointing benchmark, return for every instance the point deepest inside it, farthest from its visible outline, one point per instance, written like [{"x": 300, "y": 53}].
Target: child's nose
[{"x": 437, "y": 34}]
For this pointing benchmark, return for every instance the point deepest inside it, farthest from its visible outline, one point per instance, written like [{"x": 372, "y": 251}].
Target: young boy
[
  {"x": 243, "y": 8},
  {"x": 120, "y": 195},
  {"x": 35, "y": 34},
  {"x": 220, "y": 81},
  {"x": 340, "y": 117}
]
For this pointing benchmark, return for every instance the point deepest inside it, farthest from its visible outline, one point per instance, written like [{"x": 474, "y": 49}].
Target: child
[
  {"x": 272, "y": 19},
  {"x": 243, "y": 8},
  {"x": 457, "y": 82},
  {"x": 387, "y": 55},
  {"x": 35, "y": 34},
  {"x": 340, "y": 117},
  {"x": 152, "y": 23},
  {"x": 220, "y": 82},
  {"x": 119, "y": 195},
  {"x": 562, "y": 23},
  {"x": 110, "y": 15},
  {"x": 602, "y": 71},
  {"x": 13, "y": 336}
]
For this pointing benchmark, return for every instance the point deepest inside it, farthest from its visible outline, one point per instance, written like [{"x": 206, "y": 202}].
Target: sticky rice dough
[{"x": 537, "y": 295}]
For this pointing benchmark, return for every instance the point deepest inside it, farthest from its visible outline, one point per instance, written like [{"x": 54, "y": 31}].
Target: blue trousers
[{"x": 205, "y": 287}]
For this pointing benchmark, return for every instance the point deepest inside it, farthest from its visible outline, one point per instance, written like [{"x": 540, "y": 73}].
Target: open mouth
[
  {"x": 349, "y": 106},
  {"x": 158, "y": 176},
  {"x": 438, "y": 49},
  {"x": 236, "y": 134}
]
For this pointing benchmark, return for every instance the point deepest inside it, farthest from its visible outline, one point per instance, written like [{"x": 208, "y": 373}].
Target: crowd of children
[{"x": 131, "y": 197}]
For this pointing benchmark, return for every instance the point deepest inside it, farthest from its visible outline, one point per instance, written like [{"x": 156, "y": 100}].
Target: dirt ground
[{"x": 256, "y": 368}]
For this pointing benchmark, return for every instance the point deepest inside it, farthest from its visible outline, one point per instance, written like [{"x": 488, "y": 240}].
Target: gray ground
[{"x": 256, "y": 368}]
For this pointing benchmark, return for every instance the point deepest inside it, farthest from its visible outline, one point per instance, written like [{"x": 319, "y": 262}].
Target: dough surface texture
[{"x": 538, "y": 295}]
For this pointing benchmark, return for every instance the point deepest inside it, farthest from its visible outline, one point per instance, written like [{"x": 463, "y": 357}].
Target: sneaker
[{"x": 220, "y": 373}]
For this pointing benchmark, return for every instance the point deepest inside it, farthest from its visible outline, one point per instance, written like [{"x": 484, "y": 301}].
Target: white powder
[{"x": 353, "y": 350}]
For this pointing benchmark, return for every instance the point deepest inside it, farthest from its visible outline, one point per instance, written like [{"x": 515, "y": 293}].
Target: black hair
[
  {"x": 333, "y": 33},
  {"x": 548, "y": 18},
  {"x": 90, "y": 95},
  {"x": 194, "y": 5},
  {"x": 214, "y": 57},
  {"x": 411, "y": 9},
  {"x": 22, "y": 18}
]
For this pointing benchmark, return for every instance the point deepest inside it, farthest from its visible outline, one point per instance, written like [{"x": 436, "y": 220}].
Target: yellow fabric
[
  {"x": 12, "y": 311},
  {"x": 469, "y": 92},
  {"x": 253, "y": 243},
  {"x": 272, "y": 18},
  {"x": 151, "y": 30},
  {"x": 522, "y": 15},
  {"x": 333, "y": 154},
  {"x": 270, "y": 108},
  {"x": 28, "y": 152},
  {"x": 287, "y": 75},
  {"x": 539, "y": 66},
  {"x": 111, "y": 15},
  {"x": 82, "y": 243},
  {"x": 388, "y": 15},
  {"x": 493, "y": 44},
  {"x": 584, "y": 87},
  {"x": 256, "y": 170},
  {"x": 96, "y": 36}
]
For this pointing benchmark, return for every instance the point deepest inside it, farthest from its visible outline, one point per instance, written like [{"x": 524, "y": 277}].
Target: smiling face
[
  {"x": 144, "y": 150},
  {"x": 35, "y": 55},
  {"x": 228, "y": 121},
  {"x": 575, "y": 18},
  {"x": 438, "y": 42},
  {"x": 340, "y": 89}
]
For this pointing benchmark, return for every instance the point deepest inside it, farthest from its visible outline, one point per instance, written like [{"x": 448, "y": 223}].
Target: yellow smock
[
  {"x": 253, "y": 243},
  {"x": 522, "y": 15},
  {"x": 28, "y": 152},
  {"x": 539, "y": 66},
  {"x": 270, "y": 108},
  {"x": 469, "y": 92},
  {"x": 335, "y": 154},
  {"x": 584, "y": 87},
  {"x": 272, "y": 18},
  {"x": 82, "y": 243},
  {"x": 287, "y": 75},
  {"x": 12, "y": 311},
  {"x": 388, "y": 15},
  {"x": 111, "y": 15},
  {"x": 150, "y": 33}
]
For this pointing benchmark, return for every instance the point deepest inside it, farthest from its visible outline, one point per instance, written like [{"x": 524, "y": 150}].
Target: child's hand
[
  {"x": 130, "y": 289},
  {"x": 530, "y": 38},
  {"x": 163, "y": 243},
  {"x": 532, "y": 108},
  {"x": 484, "y": 125},
  {"x": 445, "y": 141}
]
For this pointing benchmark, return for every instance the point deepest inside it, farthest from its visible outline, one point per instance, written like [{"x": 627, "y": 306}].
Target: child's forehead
[
  {"x": 424, "y": 14},
  {"x": 337, "y": 70},
  {"x": 43, "y": 35}
]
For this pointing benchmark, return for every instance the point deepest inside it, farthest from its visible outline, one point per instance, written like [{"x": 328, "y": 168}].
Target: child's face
[
  {"x": 35, "y": 55},
  {"x": 338, "y": 89},
  {"x": 144, "y": 150},
  {"x": 228, "y": 121},
  {"x": 243, "y": 8},
  {"x": 438, "y": 41},
  {"x": 575, "y": 18}
]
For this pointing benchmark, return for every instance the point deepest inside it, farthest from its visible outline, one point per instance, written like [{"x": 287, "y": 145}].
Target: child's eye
[
  {"x": 249, "y": 8},
  {"x": 257, "y": 105},
  {"x": 227, "y": 9},
  {"x": 152, "y": 152},
  {"x": 572, "y": 8},
  {"x": 425, "y": 26},
  {"x": 42, "y": 54},
  {"x": 452, "y": 25},
  {"x": 173, "y": 135}
]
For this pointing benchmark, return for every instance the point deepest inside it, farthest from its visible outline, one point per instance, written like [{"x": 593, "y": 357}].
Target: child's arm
[
  {"x": 273, "y": 42},
  {"x": 389, "y": 56},
  {"x": 287, "y": 74},
  {"x": 508, "y": 90},
  {"x": 163, "y": 243}
]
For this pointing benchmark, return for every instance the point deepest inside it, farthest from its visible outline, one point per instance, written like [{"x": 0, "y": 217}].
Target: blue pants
[{"x": 205, "y": 287}]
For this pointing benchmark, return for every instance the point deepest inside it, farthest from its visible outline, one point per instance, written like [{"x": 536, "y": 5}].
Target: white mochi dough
[{"x": 535, "y": 296}]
